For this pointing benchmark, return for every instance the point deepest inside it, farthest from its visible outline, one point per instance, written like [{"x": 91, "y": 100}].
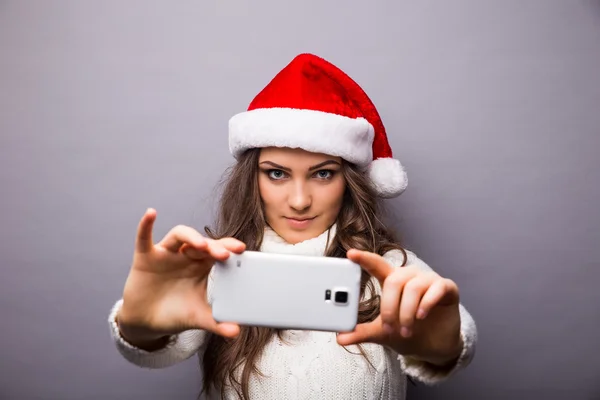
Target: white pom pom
[{"x": 388, "y": 177}]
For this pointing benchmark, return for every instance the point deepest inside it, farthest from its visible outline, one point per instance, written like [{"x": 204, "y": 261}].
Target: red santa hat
[{"x": 313, "y": 105}]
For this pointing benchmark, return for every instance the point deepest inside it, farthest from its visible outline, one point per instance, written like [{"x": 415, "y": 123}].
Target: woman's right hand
[{"x": 166, "y": 290}]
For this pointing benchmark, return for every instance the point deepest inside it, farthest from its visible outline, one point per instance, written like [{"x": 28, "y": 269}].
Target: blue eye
[
  {"x": 276, "y": 174},
  {"x": 325, "y": 174}
]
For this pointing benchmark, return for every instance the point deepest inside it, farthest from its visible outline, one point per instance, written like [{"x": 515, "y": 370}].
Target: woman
[{"x": 312, "y": 161}]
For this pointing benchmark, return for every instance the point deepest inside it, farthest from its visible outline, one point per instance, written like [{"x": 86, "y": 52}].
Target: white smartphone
[{"x": 287, "y": 291}]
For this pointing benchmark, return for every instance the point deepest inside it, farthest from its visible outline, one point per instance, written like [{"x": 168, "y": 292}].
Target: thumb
[
  {"x": 226, "y": 329},
  {"x": 204, "y": 320},
  {"x": 367, "y": 332}
]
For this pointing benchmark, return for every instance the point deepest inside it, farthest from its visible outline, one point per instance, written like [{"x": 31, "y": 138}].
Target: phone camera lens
[{"x": 341, "y": 297}]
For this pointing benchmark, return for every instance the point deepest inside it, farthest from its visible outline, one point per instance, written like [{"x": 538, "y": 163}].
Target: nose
[{"x": 300, "y": 198}]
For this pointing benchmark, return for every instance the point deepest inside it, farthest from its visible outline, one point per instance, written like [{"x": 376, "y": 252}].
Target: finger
[
  {"x": 233, "y": 245},
  {"x": 194, "y": 253},
  {"x": 390, "y": 297},
  {"x": 182, "y": 234},
  {"x": 204, "y": 251},
  {"x": 143, "y": 241},
  {"x": 443, "y": 292},
  {"x": 373, "y": 263},
  {"x": 411, "y": 298},
  {"x": 368, "y": 332},
  {"x": 217, "y": 250}
]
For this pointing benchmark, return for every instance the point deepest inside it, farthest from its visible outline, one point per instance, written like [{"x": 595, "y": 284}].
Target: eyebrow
[{"x": 320, "y": 165}]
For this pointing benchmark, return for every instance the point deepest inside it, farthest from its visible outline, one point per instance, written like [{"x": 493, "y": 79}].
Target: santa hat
[{"x": 313, "y": 105}]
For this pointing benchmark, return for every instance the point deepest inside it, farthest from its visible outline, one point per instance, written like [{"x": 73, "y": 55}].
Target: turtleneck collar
[{"x": 273, "y": 243}]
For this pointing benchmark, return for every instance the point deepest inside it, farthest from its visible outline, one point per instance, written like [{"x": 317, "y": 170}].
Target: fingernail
[
  {"x": 405, "y": 332},
  {"x": 421, "y": 314},
  {"x": 387, "y": 328}
]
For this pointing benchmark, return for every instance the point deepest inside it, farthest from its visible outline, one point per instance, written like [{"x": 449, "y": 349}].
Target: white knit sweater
[{"x": 310, "y": 364}]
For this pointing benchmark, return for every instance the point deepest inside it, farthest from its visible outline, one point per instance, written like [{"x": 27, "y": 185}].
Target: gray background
[{"x": 110, "y": 107}]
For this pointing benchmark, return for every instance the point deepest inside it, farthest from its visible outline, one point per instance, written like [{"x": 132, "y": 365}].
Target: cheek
[
  {"x": 333, "y": 196},
  {"x": 263, "y": 190},
  {"x": 268, "y": 194}
]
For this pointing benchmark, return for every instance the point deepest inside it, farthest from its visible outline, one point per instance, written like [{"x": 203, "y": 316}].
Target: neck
[{"x": 317, "y": 246}]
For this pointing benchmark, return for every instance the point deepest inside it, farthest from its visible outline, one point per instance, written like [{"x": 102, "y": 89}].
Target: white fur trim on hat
[
  {"x": 314, "y": 131},
  {"x": 388, "y": 177}
]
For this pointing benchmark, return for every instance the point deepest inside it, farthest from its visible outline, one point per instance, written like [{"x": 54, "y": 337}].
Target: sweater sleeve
[
  {"x": 179, "y": 347},
  {"x": 420, "y": 370}
]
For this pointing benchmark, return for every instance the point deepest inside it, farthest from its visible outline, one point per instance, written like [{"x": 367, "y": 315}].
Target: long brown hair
[{"x": 359, "y": 226}]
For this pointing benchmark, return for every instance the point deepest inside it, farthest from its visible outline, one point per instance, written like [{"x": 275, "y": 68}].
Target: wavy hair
[{"x": 231, "y": 362}]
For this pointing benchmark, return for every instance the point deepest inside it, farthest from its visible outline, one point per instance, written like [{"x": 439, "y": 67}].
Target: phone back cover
[{"x": 286, "y": 291}]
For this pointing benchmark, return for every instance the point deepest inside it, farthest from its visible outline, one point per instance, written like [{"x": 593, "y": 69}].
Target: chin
[{"x": 296, "y": 236}]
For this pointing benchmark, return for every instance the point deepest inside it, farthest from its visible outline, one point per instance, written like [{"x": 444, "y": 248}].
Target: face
[{"x": 302, "y": 192}]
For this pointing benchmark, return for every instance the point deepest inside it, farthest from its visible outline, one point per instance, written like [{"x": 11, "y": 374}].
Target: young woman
[{"x": 313, "y": 162}]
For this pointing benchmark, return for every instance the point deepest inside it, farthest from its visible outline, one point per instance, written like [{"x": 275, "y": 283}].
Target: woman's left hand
[{"x": 419, "y": 315}]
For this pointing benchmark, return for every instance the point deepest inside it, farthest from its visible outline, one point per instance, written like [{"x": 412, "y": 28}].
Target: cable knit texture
[{"x": 310, "y": 364}]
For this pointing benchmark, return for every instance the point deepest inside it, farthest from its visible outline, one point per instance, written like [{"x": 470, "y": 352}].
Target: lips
[
  {"x": 299, "y": 219},
  {"x": 299, "y": 223}
]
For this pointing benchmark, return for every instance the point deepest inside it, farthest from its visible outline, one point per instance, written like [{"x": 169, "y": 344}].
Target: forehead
[{"x": 289, "y": 156}]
